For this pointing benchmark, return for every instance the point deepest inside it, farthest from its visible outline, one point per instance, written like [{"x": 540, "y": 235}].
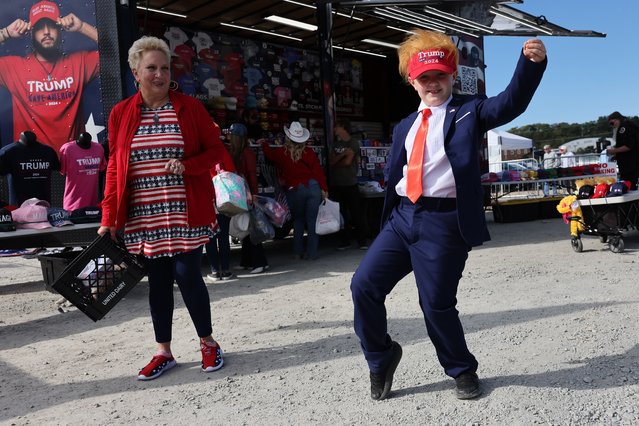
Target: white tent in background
[{"x": 500, "y": 142}]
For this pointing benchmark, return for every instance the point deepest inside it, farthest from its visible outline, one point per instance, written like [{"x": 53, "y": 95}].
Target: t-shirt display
[
  {"x": 232, "y": 73},
  {"x": 81, "y": 166},
  {"x": 29, "y": 167}
]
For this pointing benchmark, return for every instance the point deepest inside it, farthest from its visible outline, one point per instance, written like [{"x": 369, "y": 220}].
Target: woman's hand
[
  {"x": 107, "y": 230},
  {"x": 324, "y": 194},
  {"x": 174, "y": 166}
]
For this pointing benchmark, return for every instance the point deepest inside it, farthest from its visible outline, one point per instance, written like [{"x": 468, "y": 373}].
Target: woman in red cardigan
[
  {"x": 158, "y": 191},
  {"x": 305, "y": 184}
]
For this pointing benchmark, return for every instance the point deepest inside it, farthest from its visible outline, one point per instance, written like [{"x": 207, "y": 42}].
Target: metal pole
[{"x": 325, "y": 22}]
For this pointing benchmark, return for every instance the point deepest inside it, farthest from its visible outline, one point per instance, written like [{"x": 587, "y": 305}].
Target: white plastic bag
[
  {"x": 327, "y": 218},
  {"x": 239, "y": 226}
]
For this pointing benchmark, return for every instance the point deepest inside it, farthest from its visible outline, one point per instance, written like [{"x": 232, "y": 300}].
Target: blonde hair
[
  {"x": 294, "y": 149},
  {"x": 145, "y": 44},
  {"x": 423, "y": 40}
]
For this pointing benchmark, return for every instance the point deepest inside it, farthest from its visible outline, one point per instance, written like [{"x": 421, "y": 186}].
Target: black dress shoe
[
  {"x": 381, "y": 383},
  {"x": 467, "y": 386}
]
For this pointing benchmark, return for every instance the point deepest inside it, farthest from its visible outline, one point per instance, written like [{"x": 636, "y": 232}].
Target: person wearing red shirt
[
  {"x": 305, "y": 184},
  {"x": 46, "y": 86}
]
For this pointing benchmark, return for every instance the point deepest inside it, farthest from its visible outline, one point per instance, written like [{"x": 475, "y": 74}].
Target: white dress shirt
[{"x": 437, "y": 174}]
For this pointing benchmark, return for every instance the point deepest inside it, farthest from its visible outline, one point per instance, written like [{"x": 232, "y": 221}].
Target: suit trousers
[{"x": 424, "y": 238}]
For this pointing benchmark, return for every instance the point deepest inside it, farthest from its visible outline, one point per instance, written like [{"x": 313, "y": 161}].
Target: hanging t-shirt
[
  {"x": 81, "y": 167},
  {"x": 29, "y": 168},
  {"x": 175, "y": 37},
  {"x": 202, "y": 41},
  {"x": 187, "y": 54},
  {"x": 46, "y": 96}
]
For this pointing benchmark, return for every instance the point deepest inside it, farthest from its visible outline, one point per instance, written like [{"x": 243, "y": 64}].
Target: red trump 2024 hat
[{"x": 432, "y": 59}]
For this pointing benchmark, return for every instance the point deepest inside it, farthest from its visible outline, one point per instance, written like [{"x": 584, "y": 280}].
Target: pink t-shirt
[{"x": 81, "y": 167}]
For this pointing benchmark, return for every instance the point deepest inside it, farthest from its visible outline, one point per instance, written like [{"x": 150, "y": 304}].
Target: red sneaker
[
  {"x": 158, "y": 365},
  {"x": 211, "y": 356}
]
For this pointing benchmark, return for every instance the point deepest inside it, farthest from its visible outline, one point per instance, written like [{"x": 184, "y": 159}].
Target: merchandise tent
[{"x": 366, "y": 32}]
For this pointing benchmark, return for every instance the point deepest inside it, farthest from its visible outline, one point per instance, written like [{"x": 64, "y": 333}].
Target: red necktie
[{"x": 414, "y": 173}]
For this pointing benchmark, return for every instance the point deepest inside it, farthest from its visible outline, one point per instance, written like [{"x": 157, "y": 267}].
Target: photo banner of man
[{"x": 49, "y": 71}]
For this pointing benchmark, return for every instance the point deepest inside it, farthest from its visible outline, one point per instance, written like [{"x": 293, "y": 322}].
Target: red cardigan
[
  {"x": 294, "y": 173},
  {"x": 202, "y": 150}
]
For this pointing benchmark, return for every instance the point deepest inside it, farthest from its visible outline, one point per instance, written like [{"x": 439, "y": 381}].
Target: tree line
[{"x": 557, "y": 134}]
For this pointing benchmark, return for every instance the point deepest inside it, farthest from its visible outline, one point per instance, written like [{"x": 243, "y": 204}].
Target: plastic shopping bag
[
  {"x": 260, "y": 229},
  {"x": 328, "y": 218},
  {"x": 230, "y": 193},
  {"x": 239, "y": 227},
  {"x": 275, "y": 212}
]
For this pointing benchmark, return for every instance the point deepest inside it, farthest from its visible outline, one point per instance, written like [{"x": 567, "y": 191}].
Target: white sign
[{"x": 609, "y": 168}]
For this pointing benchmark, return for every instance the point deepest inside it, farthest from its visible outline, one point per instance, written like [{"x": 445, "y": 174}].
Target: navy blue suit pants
[{"x": 423, "y": 238}]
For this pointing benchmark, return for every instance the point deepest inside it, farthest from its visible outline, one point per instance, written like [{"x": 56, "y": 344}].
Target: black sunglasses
[{"x": 612, "y": 123}]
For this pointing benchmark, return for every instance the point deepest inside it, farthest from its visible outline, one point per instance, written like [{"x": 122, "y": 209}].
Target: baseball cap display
[
  {"x": 86, "y": 215},
  {"x": 617, "y": 189},
  {"x": 43, "y": 9},
  {"x": 7, "y": 206},
  {"x": 35, "y": 202},
  {"x": 58, "y": 216},
  {"x": 601, "y": 190},
  {"x": 585, "y": 192},
  {"x": 6, "y": 221},
  {"x": 32, "y": 214},
  {"x": 431, "y": 59}
]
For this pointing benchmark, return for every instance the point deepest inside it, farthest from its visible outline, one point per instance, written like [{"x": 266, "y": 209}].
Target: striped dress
[{"x": 157, "y": 218}]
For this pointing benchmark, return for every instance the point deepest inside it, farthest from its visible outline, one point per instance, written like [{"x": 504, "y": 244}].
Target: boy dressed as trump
[{"x": 433, "y": 209}]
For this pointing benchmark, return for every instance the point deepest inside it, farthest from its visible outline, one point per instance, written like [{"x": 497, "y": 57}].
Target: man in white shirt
[{"x": 567, "y": 158}]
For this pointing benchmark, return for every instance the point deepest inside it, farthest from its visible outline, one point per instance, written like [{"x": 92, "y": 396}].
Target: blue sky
[{"x": 586, "y": 77}]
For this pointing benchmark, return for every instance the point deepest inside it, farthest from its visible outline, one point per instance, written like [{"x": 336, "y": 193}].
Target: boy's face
[{"x": 434, "y": 87}]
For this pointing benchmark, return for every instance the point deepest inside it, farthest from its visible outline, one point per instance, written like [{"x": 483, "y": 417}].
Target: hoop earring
[
  {"x": 173, "y": 85},
  {"x": 136, "y": 84}
]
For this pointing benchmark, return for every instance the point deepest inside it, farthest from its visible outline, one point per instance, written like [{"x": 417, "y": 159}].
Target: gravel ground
[{"x": 555, "y": 333}]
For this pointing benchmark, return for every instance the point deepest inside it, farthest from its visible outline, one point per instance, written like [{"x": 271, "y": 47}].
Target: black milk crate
[
  {"x": 99, "y": 277},
  {"x": 53, "y": 266}
]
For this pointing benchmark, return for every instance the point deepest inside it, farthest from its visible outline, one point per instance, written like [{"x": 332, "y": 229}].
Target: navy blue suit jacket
[{"x": 467, "y": 120}]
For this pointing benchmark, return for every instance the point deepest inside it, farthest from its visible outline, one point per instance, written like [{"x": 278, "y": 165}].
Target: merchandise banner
[
  {"x": 49, "y": 75},
  {"x": 470, "y": 73}
]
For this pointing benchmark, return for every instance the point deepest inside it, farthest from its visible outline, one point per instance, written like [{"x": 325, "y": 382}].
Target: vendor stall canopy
[{"x": 366, "y": 26}]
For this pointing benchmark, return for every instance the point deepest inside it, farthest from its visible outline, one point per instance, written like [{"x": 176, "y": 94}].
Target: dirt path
[{"x": 555, "y": 333}]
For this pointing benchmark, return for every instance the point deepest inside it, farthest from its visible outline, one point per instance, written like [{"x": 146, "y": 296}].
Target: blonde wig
[{"x": 423, "y": 40}]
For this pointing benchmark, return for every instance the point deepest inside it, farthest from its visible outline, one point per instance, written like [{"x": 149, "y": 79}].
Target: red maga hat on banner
[
  {"x": 43, "y": 9},
  {"x": 432, "y": 59}
]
